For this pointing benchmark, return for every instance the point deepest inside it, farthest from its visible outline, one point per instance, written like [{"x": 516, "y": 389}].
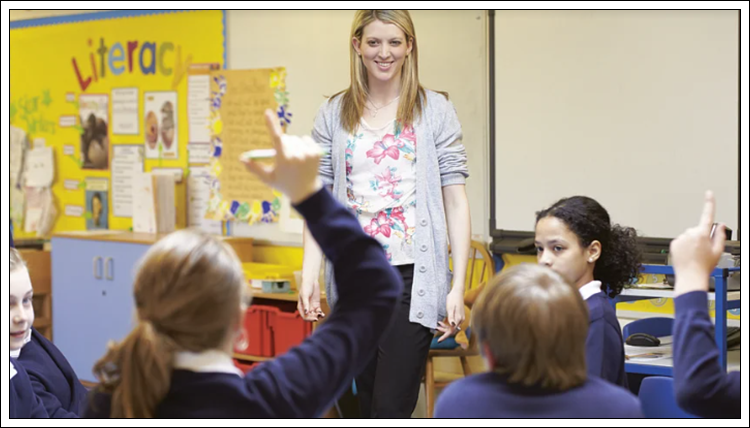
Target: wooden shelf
[
  {"x": 251, "y": 358},
  {"x": 129, "y": 237},
  {"x": 42, "y": 323},
  {"x": 287, "y": 297},
  {"x": 242, "y": 246},
  {"x": 40, "y": 272},
  {"x": 292, "y": 296}
]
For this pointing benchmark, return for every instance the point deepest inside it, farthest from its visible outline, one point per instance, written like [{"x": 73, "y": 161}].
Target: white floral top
[{"x": 382, "y": 187}]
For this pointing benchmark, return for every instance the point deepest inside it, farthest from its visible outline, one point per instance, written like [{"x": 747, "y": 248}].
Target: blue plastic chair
[
  {"x": 658, "y": 400},
  {"x": 656, "y": 326}
]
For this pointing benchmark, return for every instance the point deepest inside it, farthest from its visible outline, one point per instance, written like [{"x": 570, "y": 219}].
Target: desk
[{"x": 724, "y": 299}]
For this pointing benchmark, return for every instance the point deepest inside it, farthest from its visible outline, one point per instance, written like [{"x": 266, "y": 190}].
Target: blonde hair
[
  {"x": 188, "y": 292},
  {"x": 411, "y": 101},
  {"x": 16, "y": 261},
  {"x": 535, "y": 325}
]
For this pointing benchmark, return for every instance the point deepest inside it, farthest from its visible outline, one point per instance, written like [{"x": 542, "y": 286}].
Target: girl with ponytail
[
  {"x": 190, "y": 300},
  {"x": 575, "y": 238},
  {"x": 188, "y": 293}
]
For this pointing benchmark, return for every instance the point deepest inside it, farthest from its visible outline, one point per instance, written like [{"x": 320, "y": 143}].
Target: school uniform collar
[
  {"x": 17, "y": 353},
  {"x": 210, "y": 361},
  {"x": 590, "y": 289}
]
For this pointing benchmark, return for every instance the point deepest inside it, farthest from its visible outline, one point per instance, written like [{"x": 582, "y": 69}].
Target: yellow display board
[{"x": 110, "y": 79}]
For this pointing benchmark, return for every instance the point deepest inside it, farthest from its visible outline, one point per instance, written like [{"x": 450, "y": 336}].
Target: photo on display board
[
  {"x": 160, "y": 125},
  {"x": 97, "y": 204},
  {"x": 93, "y": 111}
]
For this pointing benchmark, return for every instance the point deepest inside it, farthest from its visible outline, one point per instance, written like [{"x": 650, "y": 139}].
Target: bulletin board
[{"x": 108, "y": 93}]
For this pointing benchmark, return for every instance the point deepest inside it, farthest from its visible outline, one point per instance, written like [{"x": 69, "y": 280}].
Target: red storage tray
[
  {"x": 255, "y": 336},
  {"x": 288, "y": 330}
]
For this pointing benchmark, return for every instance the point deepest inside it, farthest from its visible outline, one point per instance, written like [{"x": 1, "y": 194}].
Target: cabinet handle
[
  {"x": 97, "y": 267},
  {"x": 107, "y": 270}
]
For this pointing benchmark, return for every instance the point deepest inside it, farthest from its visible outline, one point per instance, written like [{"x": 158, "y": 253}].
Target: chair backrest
[
  {"x": 658, "y": 399},
  {"x": 656, "y": 326},
  {"x": 480, "y": 268}
]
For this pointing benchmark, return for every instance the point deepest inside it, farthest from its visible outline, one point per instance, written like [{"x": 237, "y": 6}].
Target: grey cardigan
[{"x": 440, "y": 149}]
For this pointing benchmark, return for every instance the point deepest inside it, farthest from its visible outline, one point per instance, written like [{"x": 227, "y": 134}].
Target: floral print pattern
[{"x": 381, "y": 186}]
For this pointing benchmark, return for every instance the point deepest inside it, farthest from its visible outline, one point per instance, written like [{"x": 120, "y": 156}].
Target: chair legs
[
  {"x": 465, "y": 366},
  {"x": 429, "y": 387}
]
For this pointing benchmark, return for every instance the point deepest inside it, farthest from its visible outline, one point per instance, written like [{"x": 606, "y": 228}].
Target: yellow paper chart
[{"x": 239, "y": 99}]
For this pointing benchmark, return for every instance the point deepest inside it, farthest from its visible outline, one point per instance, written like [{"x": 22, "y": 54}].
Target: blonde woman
[{"x": 395, "y": 158}]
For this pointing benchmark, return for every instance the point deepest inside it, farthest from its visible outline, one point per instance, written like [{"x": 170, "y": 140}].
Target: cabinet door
[
  {"x": 88, "y": 309},
  {"x": 116, "y": 288}
]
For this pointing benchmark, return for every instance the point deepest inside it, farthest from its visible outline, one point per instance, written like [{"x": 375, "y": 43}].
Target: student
[
  {"x": 574, "y": 237},
  {"x": 531, "y": 326},
  {"x": 176, "y": 363},
  {"x": 702, "y": 387},
  {"x": 52, "y": 377},
  {"x": 394, "y": 157},
  {"x": 23, "y": 403}
]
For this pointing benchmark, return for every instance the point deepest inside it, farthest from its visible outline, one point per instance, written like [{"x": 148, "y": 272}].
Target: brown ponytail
[
  {"x": 188, "y": 294},
  {"x": 146, "y": 357}
]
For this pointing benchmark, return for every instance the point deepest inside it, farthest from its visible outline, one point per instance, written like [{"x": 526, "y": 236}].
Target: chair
[
  {"x": 656, "y": 326},
  {"x": 658, "y": 399},
  {"x": 480, "y": 269}
]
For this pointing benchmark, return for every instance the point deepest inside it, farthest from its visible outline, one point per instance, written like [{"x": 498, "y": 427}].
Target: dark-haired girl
[{"x": 575, "y": 238}]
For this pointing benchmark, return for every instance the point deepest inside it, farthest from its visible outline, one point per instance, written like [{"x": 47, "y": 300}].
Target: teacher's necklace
[{"x": 375, "y": 109}]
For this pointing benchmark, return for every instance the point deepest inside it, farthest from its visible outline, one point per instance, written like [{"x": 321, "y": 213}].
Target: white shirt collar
[
  {"x": 211, "y": 361},
  {"x": 17, "y": 353},
  {"x": 590, "y": 289}
]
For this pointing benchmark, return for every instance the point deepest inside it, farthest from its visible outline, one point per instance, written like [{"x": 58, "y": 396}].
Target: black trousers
[{"x": 389, "y": 385}]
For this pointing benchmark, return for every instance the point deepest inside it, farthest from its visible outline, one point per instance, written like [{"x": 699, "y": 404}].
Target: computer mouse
[{"x": 642, "y": 339}]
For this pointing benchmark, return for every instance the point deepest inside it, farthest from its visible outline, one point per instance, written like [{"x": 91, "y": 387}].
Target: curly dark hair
[{"x": 620, "y": 260}]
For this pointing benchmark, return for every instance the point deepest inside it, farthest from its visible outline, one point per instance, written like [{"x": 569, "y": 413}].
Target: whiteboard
[
  {"x": 637, "y": 109},
  {"x": 314, "y": 47}
]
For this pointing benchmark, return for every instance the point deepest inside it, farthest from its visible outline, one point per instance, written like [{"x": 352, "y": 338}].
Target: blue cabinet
[{"x": 92, "y": 297}]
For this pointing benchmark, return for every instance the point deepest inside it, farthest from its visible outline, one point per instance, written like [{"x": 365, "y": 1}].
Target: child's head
[
  {"x": 532, "y": 327},
  {"x": 21, "y": 308},
  {"x": 575, "y": 238},
  {"x": 189, "y": 292}
]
